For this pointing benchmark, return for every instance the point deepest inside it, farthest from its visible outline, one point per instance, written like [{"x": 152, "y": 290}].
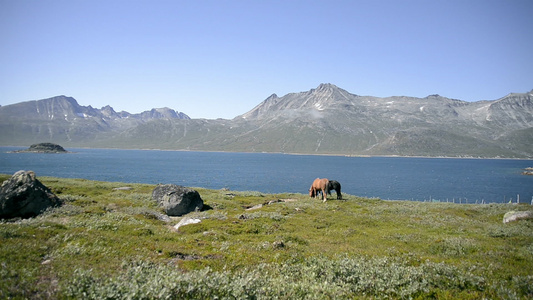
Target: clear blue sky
[{"x": 219, "y": 59}]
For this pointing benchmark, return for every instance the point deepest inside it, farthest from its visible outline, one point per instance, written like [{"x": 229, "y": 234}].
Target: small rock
[
  {"x": 186, "y": 221},
  {"x": 278, "y": 244},
  {"x": 274, "y": 201},
  {"x": 123, "y": 188},
  {"x": 255, "y": 207},
  {"x": 517, "y": 215}
]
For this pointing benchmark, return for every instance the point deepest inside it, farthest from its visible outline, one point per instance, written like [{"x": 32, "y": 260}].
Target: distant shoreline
[{"x": 285, "y": 153}]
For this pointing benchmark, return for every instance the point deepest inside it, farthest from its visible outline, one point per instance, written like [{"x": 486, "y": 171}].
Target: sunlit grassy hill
[{"x": 106, "y": 243}]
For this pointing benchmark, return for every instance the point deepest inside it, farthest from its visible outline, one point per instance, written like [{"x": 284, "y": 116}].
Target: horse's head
[{"x": 311, "y": 192}]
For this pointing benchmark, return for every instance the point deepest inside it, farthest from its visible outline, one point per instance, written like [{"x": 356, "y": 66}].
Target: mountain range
[
  {"x": 324, "y": 120},
  {"x": 61, "y": 119}
]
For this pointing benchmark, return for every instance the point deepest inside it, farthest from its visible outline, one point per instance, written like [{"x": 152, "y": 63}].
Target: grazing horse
[
  {"x": 319, "y": 185},
  {"x": 335, "y": 185}
]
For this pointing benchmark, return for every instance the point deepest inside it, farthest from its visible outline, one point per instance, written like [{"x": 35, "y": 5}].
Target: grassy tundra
[{"x": 105, "y": 243}]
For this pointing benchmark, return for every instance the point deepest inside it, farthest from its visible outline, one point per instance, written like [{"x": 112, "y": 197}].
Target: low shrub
[{"x": 313, "y": 278}]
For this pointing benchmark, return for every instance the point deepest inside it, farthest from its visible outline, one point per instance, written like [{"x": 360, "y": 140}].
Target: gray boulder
[
  {"x": 24, "y": 196},
  {"x": 517, "y": 215},
  {"x": 177, "y": 200}
]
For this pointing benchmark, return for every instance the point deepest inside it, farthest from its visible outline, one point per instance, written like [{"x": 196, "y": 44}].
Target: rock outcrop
[
  {"x": 528, "y": 171},
  {"x": 517, "y": 215},
  {"x": 177, "y": 200},
  {"x": 24, "y": 196}
]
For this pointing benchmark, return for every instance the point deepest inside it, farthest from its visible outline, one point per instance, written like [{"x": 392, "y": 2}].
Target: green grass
[{"x": 103, "y": 243}]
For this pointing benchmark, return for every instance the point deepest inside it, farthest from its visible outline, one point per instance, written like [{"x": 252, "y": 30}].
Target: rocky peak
[
  {"x": 331, "y": 92},
  {"x": 63, "y": 100},
  {"x": 108, "y": 111},
  {"x": 326, "y": 87},
  {"x": 59, "y": 107},
  {"x": 272, "y": 97},
  {"x": 515, "y": 109},
  {"x": 325, "y": 96},
  {"x": 267, "y": 105},
  {"x": 162, "y": 113},
  {"x": 271, "y": 100},
  {"x": 523, "y": 101}
]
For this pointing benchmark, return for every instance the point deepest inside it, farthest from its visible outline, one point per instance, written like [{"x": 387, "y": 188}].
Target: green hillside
[{"x": 112, "y": 244}]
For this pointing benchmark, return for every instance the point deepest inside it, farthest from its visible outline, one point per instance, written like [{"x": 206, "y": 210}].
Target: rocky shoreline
[{"x": 528, "y": 171}]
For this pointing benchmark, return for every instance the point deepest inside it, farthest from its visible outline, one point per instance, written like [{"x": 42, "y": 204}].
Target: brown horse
[{"x": 319, "y": 185}]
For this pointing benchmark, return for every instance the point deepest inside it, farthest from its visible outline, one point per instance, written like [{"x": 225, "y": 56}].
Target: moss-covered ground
[{"x": 105, "y": 243}]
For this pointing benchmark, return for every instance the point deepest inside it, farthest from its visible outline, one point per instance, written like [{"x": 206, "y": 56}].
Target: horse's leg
[{"x": 325, "y": 195}]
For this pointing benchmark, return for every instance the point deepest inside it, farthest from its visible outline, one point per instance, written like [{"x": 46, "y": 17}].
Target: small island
[{"x": 43, "y": 148}]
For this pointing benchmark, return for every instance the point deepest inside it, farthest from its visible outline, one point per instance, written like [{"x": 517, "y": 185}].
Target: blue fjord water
[{"x": 395, "y": 178}]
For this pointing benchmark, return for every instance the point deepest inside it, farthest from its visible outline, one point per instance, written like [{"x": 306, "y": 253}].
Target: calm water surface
[{"x": 421, "y": 179}]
